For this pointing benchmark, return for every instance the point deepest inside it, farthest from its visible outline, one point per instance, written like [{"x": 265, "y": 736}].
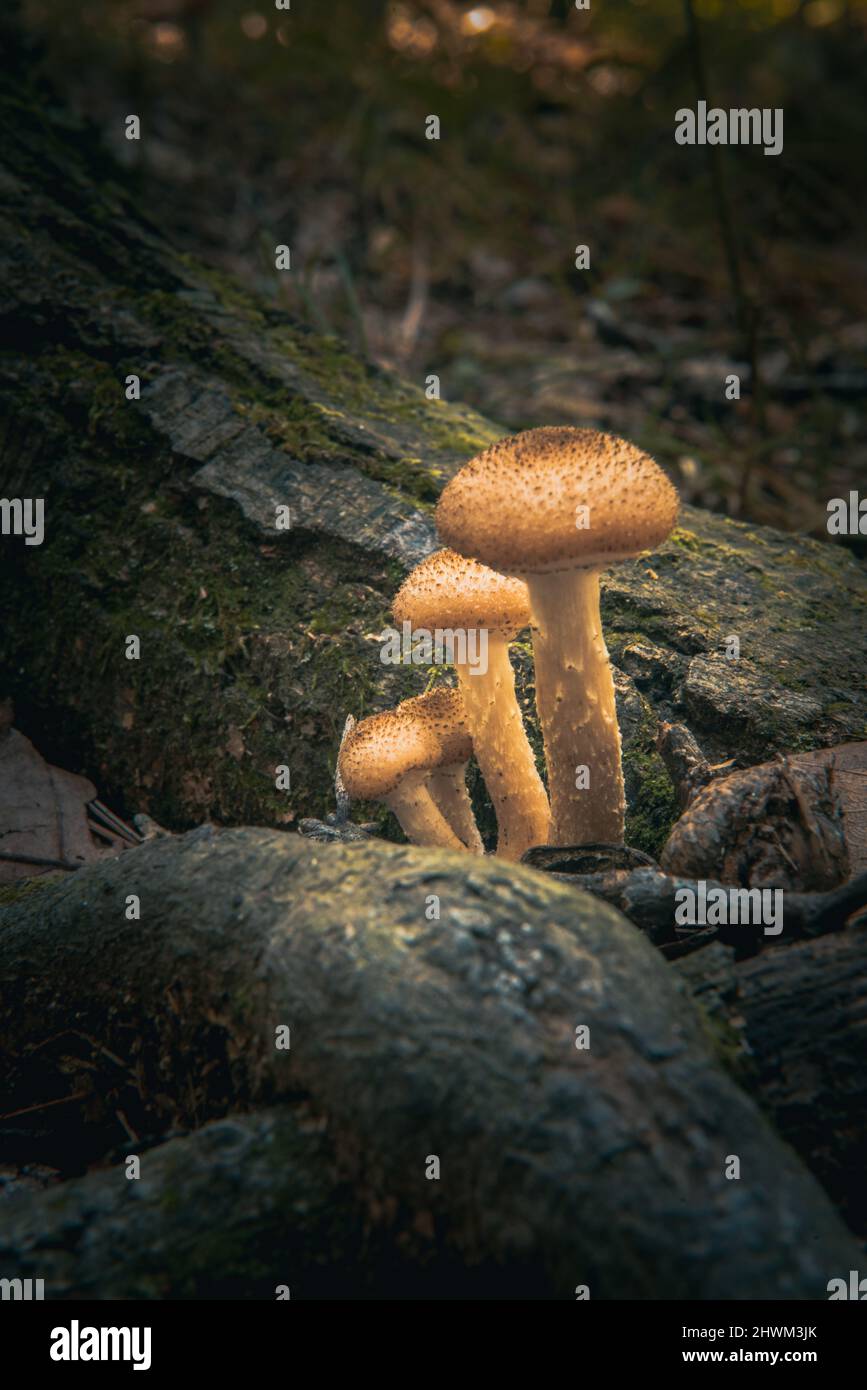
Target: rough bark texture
[
  {"x": 255, "y": 642},
  {"x": 653, "y": 901},
  {"x": 411, "y": 1038},
  {"x": 793, "y": 1023},
  {"x": 779, "y": 826},
  {"x": 231, "y": 1211}
]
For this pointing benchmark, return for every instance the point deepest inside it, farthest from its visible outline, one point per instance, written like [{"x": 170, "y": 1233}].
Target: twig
[
  {"x": 39, "y": 861},
  {"x": 44, "y": 1105},
  {"x": 341, "y": 795},
  {"x": 99, "y": 812},
  {"x": 684, "y": 761}
]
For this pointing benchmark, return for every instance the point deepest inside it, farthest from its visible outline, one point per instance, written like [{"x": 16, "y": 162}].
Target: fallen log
[
  {"x": 233, "y": 1211},
  {"x": 161, "y": 523},
  {"x": 435, "y": 1007},
  {"x": 660, "y": 903},
  {"x": 794, "y": 1027}
]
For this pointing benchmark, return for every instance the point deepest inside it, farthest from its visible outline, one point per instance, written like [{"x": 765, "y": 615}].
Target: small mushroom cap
[
  {"x": 515, "y": 506},
  {"x": 442, "y": 710},
  {"x": 383, "y": 749},
  {"x": 448, "y": 590}
]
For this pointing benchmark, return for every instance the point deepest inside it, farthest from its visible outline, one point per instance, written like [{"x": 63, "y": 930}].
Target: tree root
[{"x": 438, "y": 1057}]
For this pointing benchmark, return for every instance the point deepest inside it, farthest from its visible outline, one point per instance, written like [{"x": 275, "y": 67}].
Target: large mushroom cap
[
  {"x": 442, "y": 710},
  {"x": 515, "y": 506},
  {"x": 383, "y": 749},
  {"x": 448, "y": 590}
]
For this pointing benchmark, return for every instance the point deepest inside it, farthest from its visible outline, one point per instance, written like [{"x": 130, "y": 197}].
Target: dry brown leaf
[{"x": 42, "y": 811}]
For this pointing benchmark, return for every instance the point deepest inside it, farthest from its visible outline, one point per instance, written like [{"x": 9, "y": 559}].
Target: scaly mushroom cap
[
  {"x": 442, "y": 710},
  {"x": 515, "y": 506},
  {"x": 382, "y": 749},
  {"x": 448, "y": 590}
]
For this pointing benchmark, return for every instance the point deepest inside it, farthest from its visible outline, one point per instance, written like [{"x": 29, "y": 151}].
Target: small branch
[
  {"x": 684, "y": 761},
  {"x": 39, "y": 861},
  {"x": 44, "y": 1105},
  {"x": 341, "y": 795}
]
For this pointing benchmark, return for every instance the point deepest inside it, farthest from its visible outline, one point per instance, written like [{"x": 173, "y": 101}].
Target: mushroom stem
[
  {"x": 577, "y": 714},
  {"x": 503, "y": 752},
  {"x": 422, "y": 822},
  {"x": 448, "y": 787}
]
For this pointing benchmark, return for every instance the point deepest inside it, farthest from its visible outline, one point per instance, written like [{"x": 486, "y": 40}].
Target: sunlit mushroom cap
[
  {"x": 442, "y": 710},
  {"x": 516, "y": 507},
  {"x": 448, "y": 590},
  {"x": 383, "y": 749}
]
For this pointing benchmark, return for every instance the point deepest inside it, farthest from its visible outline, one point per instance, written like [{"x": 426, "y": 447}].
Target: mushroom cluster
[{"x": 530, "y": 524}]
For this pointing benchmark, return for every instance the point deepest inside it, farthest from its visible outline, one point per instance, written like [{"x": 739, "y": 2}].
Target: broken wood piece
[{"x": 775, "y": 825}]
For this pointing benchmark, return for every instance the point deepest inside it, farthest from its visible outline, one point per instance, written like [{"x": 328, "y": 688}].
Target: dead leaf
[{"x": 42, "y": 811}]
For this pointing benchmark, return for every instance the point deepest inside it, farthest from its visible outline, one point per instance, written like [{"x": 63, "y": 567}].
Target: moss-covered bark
[
  {"x": 257, "y": 643},
  {"x": 414, "y": 1036}
]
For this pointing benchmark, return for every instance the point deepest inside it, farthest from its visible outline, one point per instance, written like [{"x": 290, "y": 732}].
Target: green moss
[
  {"x": 726, "y": 1044},
  {"x": 23, "y": 888},
  {"x": 247, "y": 641},
  {"x": 170, "y": 1201},
  {"x": 682, "y": 539},
  {"x": 654, "y": 808},
  {"x": 407, "y": 477},
  {"x": 352, "y": 391},
  {"x": 228, "y": 292}
]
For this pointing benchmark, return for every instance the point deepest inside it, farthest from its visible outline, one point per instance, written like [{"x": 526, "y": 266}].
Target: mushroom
[
  {"x": 455, "y": 596},
  {"x": 388, "y": 757},
  {"x": 556, "y": 506},
  {"x": 443, "y": 711}
]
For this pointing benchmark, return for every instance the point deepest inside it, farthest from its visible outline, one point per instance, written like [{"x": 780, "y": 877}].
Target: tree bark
[
  {"x": 161, "y": 514},
  {"x": 232, "y": 1211},
  {"x": 793, "y": 1025},
  {"x": 440, "y": 1058}
]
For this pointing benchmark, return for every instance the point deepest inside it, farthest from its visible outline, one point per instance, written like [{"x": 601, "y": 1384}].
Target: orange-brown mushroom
[
  {"x": 555, "y": 507},
  {"x": 442, "y": 709},
  {"x": 458, "y": 596},
  {"x": 388, "y": 757}
]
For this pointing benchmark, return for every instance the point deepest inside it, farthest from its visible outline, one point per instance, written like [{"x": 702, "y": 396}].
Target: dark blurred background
[{"x": 456, "y": 256}]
